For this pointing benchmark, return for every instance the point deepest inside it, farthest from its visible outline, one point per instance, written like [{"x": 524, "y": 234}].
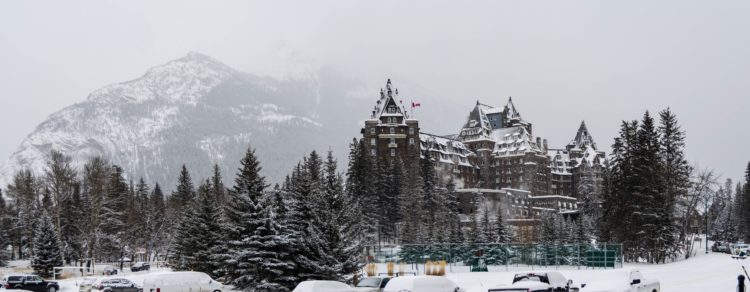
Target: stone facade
[
  {"x": 389, "y": 133},
  {"x": 495, "y": 154}
]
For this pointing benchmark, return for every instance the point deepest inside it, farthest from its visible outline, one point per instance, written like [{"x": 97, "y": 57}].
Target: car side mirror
[{"x": 635, "y": 281}]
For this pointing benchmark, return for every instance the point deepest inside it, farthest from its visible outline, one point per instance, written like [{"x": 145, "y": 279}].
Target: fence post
[{"x": 741, "y": 283}]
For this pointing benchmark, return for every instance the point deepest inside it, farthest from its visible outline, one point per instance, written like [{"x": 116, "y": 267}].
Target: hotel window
[
  {"x": 393, "y": 140},
  {"x": 372, "y": 131},
  {"x": 411, "y": 131},
  {"x": 372, "y": 152},
  {"x": 372, "y": 141},
  {"x": 393, "y": 152},
  {"x": 393, "y": 130},
  {"x": 411, "y": 141}
]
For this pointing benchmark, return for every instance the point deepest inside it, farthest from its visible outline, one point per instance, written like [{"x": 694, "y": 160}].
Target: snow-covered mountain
[
  {"x": 194, "y": 110},
  {"x": 198, "y": 111}
]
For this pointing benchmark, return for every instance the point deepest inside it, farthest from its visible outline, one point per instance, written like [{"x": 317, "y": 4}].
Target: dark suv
[
  {"x": 140, "y": 266},
  {"x": 30, "y": 283}
]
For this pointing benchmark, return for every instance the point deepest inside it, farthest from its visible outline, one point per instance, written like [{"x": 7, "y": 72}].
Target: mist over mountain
[{"x": 198, "y": 111}]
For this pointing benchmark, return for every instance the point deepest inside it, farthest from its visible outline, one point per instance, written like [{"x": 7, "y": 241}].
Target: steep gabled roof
[
  {"x": 583, "y": 139},
  {"x": 388, "y": 102},
  {"x": 510, "y": 110}
]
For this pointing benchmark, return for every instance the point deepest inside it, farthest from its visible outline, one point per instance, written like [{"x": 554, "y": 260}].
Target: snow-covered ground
[{"x": 703, "y": 272}]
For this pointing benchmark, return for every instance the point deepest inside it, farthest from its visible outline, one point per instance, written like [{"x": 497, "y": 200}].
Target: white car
[
  {"x": 372, "y": 284},
  {"x": 181, "y": 282},
  {"x": 537, "y": 282},
  {"x": 630, "y": 281},
  {"x": 421, "y": 284},
  {"x": 322, "y": 286}
]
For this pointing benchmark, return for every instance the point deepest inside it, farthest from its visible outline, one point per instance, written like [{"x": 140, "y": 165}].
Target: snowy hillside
[
  {"x": 194, "y": 110},
  {"x": 198, "y": 111}
]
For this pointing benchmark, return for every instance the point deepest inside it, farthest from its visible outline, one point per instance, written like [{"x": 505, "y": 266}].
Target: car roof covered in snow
[
  {"x": 322, "y": 286},
  {"x": 420, "y": 284}
]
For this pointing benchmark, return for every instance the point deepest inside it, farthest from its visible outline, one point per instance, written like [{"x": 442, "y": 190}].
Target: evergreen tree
[
  {"x": 487, "y": 228},
  {"x": 502, "y": 233},
  {"x": 185, "y": 193},
  {"x": 6, "y": 226},
  {"x": 47, "y": 253},
  {"x": 217, "y": 185},
  {"x": 113, "y": 217},
  {"x": 245, "y": 215}
]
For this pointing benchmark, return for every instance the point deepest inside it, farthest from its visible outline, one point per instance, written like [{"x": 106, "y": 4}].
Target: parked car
[
  {"x": 181, "y": 282},
  {"x": 30, "y": 283},
  {"x": 140, "y": 266},
  {"x": 109, "y": 270},
  {"x": 116, "y": 285},
  {"x": 538, "y": 281},
  {"x": 719, "y": 246},
  {"x": 421, "y": 284},
  {"x": 631, "y": 281},
  {"x": 372, "y": 284},
  {"x": 322, "y": 286}
]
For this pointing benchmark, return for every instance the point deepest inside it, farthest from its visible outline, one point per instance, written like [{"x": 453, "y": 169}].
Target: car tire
[{"x": 217, "y": 290}]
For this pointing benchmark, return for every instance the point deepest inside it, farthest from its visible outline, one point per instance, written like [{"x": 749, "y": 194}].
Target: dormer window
[{"x": 392, "y": 109}]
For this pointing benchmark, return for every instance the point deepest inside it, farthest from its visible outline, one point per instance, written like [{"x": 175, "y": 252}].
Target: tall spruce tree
[
  {"x": 47, "y": 253},
  {"x": 244, "y": 215}
]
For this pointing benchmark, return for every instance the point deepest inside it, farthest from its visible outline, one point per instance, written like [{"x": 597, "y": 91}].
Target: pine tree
[
  {"x": 185, "y": 193},
  {"x": 47, "y": 253},
  {"x": 96, "y": 176},
  {"x": 245, "y": 215},
  {"x": 6, "y": 226},
  {"x": 113, "y": 217},
  {"x": 206, "y": 229},
  {"x": 218, "y": 188},
  {"x": 502, "y": 233},
  {"x": 488, "y": 230}
]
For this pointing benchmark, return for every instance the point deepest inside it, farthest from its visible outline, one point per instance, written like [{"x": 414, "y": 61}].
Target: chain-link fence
[{"x": 499, "y": 257}]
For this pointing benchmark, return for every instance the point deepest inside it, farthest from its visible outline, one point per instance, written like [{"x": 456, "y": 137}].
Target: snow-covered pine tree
[
  {"x": 47, "y": 253},
  {"x": 95, "y": 181},
  {"x": 206, "y": 229},
  {"x": 60, "y": 179},
  {"x": 647, "y": 195},
  {"x": 218, "y": 188},
  {"x": 431, "y": 200},
  {"x": 113, "y": 217},
  {"x": 244, "y": 216},
  {"x": 270, "y": 255},
  {"x": 183, "y": 246},
  {"x": 389, "y": 200},
  {"x": 155, "y": 220},
  {"x": 476, "y": 235},
  {"x": 185, "y": 193},
  {"x": 502, "y": 232},
  {"x": 341, "y": 222},
  {"x": 487, "y": 228},
  {"x": 675, "y": 177},
  {"x": 360, "y": 183}
]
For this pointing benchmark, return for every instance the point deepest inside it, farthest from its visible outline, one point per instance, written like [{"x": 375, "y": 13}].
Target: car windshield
[{"x": 369, "y": 282}]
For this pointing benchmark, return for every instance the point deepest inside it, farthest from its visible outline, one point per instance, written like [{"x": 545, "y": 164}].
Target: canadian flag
[{"x": 415, "y": 104}]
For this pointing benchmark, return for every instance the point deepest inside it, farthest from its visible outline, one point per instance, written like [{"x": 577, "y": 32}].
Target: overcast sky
[{"x": 562, "y": 61}]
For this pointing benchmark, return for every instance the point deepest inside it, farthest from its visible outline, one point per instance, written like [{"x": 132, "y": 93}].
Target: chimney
[
  {"x": 545, "y": 144},
  {"x": 539, "y": 142}
]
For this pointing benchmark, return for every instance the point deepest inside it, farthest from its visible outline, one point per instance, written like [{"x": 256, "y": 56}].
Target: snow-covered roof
[
  {"x": 449, "y": 150},
  {"x": 388, "y": 105}
]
